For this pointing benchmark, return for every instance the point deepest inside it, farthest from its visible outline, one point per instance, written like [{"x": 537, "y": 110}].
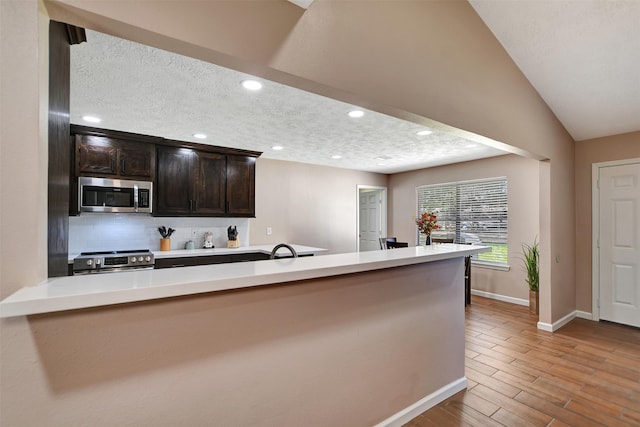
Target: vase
[
  {"x": 534, "y": 298},
  {"x": 427, "y": 240}
]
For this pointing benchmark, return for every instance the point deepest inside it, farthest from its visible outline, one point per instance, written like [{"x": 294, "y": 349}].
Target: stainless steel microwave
[{"x": 114, "y": 195}]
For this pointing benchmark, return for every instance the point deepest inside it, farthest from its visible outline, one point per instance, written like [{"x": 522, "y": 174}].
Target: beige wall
[
  {"x": 523, "y": 178},
  {"x": 618, "y": 147},
  {"x": 341, "y": 351},
  {"x": 23, "y": 145},
  {"x": 309, "y": 205},
  {"x": 417, "y": 60}
]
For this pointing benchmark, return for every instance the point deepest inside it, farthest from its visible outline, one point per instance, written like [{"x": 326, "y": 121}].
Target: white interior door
[
  {"x": 619, "y": 242},
  {"x": 370, "y": 219}
]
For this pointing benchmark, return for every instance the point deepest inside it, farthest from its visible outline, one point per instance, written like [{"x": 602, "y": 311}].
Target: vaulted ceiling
[{"x": 583, "y": 58}]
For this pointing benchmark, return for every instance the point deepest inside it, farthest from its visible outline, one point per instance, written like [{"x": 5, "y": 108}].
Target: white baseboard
[
  {"x": 545, "y": 327},
  {"x": 584, "y": 315},
  {"x": 566, "y": 319},
  {"x": 410, "y": 412},
  {"x": 499, "y": 297},
  {"x": 541, "y": 325}
]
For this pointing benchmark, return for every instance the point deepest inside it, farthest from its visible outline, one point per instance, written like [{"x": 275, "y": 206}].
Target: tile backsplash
[{"x": 102, "y": 232}]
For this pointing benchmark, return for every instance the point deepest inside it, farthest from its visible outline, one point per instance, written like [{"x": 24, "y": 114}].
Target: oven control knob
[
  {"x": 140, "y": 259},
  {"x": 147, "y": 258},
  {"x": 98, "y": 261},
  {"x": 89, "y": 262},
  {"x": 133, "y": 259}
]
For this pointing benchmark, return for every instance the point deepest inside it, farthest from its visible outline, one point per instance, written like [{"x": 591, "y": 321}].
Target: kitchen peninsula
[{"x": 384, "y": 330}]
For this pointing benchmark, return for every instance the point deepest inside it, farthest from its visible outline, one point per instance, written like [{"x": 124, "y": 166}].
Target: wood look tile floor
[{"x": 585, "y": 374}]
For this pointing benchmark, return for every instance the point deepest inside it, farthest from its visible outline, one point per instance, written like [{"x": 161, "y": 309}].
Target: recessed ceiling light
[
  {"x": 356, "y": 113},
  {"x": 336, "y": 156},
  {"x": 91, "y": 119},
  {"x": 383, "y": 158},
  {"x": 424, "y": 132},
  {"x": 200, "y": 135},
  {"x": 277, "y": 147},
  {"x": 251, "y": 84},
  {"x": 470, "y": 146}
]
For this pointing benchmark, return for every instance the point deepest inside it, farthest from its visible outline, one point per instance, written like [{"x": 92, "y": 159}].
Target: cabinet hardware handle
[
  {"x": 113, "y": 165},
  {"x": 191, "y": 204},
  {"x": 195, "y": 205},
  {"x": 122, "y": 166}
]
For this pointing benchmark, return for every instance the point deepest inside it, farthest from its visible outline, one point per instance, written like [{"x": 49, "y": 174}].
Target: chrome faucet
[{"x": 283, "y": 245}]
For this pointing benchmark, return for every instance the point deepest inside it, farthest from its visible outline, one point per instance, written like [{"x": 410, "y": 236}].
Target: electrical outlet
[
  {"x": 194, "y": 232},
  {"x": 269, "y": 231}
]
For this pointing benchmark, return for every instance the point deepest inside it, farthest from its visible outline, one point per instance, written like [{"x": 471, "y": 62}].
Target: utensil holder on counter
[{"x": 165, "y": 244}]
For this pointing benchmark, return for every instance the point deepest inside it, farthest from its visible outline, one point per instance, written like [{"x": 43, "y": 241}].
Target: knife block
[{"x": 234, "y": 243}]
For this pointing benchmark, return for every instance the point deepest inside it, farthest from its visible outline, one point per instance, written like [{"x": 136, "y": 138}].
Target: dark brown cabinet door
[
  {"x": 136, "y": 159},
  {"x": 201, "y": 183},
  {"x": 107, "y": 157},
  {"x": 209, "y": 194},
  {"x": 241, "y": 173},
  {"x": 96, "y": 155},
  {"x": 174, "y": 186}
]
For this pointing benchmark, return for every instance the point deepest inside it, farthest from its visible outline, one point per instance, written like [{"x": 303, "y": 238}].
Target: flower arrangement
[{"x": 427, "y": 223}]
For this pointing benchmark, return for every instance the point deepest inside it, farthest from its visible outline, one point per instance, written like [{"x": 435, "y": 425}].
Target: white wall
[{"x": 523, "y": 205}]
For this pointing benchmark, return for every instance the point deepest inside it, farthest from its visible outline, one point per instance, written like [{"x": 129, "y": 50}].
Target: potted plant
[
  {"x": 531, "y": 256},
  {"x": 426, "y": 223}
]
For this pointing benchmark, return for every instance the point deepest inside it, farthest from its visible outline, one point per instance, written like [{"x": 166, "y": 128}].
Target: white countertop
[{"x": 94, "y": 290}]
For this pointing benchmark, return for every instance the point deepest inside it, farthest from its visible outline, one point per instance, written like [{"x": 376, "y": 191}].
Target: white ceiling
[
  {"x": 141, "y": 89},
  {"x": 582, "y": 56}
]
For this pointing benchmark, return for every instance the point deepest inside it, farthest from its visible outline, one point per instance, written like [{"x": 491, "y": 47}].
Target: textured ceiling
[
  {"x": 141, "y": 89},
  {"x": 582, "y": 56}
]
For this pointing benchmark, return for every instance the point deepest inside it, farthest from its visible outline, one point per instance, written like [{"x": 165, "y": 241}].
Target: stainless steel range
[{"x": 110, "y": 261}]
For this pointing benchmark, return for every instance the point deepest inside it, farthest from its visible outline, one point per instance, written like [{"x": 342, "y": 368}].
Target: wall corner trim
[{"x": 410, "y": 412}]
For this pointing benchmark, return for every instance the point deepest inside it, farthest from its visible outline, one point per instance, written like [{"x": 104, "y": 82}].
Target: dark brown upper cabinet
[
  {"x": 107, "y": 157},
  {"x": 174, "y": 185},
  {"x": 189, "y": 179},
  {"x": 241, "y": 172},
  {"x": 210, "y": 195},
  {"x": 200, "y": 183}
]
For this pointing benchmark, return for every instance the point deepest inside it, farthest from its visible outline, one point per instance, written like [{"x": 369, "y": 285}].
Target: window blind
[{"x": 472, "y": 212}]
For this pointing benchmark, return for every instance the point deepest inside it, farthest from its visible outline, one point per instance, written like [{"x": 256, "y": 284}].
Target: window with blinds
[{"x": 472, "y": 212}]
